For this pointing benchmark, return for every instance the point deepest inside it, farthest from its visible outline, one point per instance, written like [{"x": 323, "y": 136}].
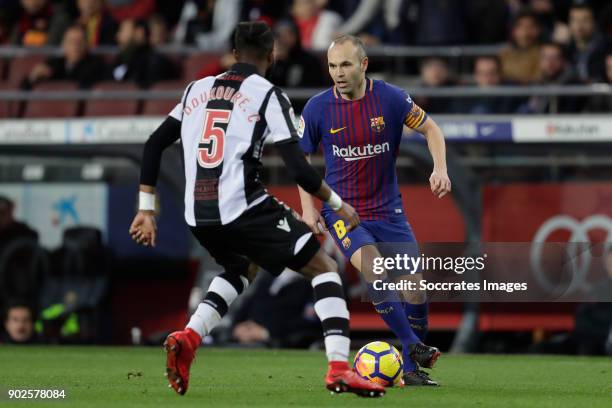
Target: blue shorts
[{"x": 394, "y": 230}]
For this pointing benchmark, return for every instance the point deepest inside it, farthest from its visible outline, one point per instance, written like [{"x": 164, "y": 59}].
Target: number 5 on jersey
[{"x": 210, "y": 151}]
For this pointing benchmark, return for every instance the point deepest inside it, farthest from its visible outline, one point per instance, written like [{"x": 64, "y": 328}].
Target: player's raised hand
[
  {"x": 440, "y": 183},
  {"x": 312, "y": 217},
  {"x": 144, "y": 228},
  {"x": 349, "y": 215}
]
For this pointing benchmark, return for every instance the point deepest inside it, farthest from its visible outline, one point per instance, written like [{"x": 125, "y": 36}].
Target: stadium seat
[
  {"x": 194, "y": 64},
  {"x": 79, "y": 272},
  {"x": 4, "y": 65},
  {"x": 52, "y": 108},
  {"x": 22, "y": 265},
  {"x": 163, "y": 106},
  {"x": 112, "y": 107},
  {"x": 20, "y": 68},
  {"x": 8, "y": 109}
]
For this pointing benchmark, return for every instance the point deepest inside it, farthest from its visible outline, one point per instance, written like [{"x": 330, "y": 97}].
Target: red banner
[{"x": 555, "y": 211}]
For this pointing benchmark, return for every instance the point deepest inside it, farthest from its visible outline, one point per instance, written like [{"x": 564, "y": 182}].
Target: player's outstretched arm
[
  {"x": 310, "y": 214},
  {"x": 438, "y": 181},
  {"x": 143, "y": 229},
  {"x": 343, "y": 209}
]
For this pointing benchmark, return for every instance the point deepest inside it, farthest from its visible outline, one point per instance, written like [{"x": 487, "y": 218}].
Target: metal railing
[
  {"x": 392, "y": 51},
  {"x": 305, "y": 93}
]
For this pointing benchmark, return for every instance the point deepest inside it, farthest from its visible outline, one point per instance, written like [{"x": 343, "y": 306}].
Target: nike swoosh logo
[
  {"x": 334, "y": 131},
  {"x": 357, "y": 158}
]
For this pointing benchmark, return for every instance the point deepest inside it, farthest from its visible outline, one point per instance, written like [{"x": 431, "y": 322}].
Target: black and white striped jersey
[{"x": 224, "y": 123}]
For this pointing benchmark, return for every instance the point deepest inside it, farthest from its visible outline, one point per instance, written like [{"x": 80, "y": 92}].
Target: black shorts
[{"x": 266, "y": 234}]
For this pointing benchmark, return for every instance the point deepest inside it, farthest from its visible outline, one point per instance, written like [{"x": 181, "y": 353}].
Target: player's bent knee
[
  {"x": 320, "y": 263},
  {"x": 252, "y": 271}
]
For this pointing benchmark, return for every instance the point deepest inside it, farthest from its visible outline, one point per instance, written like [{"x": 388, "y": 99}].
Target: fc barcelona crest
[
  {"x": 377, "y": 124},
  {"x": 346, "y": 243}
]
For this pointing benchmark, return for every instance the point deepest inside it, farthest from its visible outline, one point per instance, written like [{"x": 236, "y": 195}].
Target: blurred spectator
[
  {"x": 158, "y": 28},
  {"x": 99, "y": 25},
  {"x": 487, "y": 21},
  {"x": 131, "y": 9},
  {"x": 549, "y": 14},
  {"x": 605, "y": 21},
  {"x": 439, "y": 22},
  {"x": 75, "y": 64},
  {"x": 520, "y": 60},
  {"x": 279, "y": 313},
  {"x": 18, "y": 243},
  {"x": 294, "y": 66},
  {"x": 209, "y": 24},
  {"x": 268, "y": 11},
  {"x": 317, "y": 25},
  {"x": 137, "y": 60},
  {"x": 487, "y": 73},
  {"x": 554, "y": 70},
  {"x": 170, "y": 11},
  {"x": 435, "y": 73},
  {"x": 587, "y": 45},
  {"x": 554, "y": 67},
  {"x": 40, "y": 23},
  {"x": 603, "y": 103},
  {"x": 9, "y": 13},
  {"x": 374, "y": 21},
  {"x": 10, "y": 228},
  {"x": 18, "y": 320}
]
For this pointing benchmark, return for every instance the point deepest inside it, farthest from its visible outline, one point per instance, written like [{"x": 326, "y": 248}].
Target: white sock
[
  {"x": 331, "y": 309},
  {"x": 223, "y": 290},
  {"x": 204, "y": 319}
]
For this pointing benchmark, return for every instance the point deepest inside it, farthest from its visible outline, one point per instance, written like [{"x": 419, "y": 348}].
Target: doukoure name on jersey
[{"x": 215, "y": 93}]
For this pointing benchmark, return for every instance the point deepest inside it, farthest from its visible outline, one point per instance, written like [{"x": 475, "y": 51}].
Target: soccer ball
[{"x": 380, "y": 363}]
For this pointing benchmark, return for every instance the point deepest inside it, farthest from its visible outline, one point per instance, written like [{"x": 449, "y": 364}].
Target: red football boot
[
  {"x": 341, "y": 378},
  {"x": 180, "y": 349}
]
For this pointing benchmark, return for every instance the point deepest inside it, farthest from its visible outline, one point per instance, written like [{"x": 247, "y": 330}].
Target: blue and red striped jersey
[{"x": 360, "y": 141}]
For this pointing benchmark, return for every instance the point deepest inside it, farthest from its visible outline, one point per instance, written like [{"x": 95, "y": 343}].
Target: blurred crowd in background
[{"x": 542, "y": 42}]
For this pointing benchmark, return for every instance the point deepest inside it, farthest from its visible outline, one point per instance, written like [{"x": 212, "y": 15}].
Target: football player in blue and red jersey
[{"x": 359, "y": 123}]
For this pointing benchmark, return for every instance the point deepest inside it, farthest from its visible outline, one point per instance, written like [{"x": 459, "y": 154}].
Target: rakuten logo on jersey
[{"x": 351, "y": 153}]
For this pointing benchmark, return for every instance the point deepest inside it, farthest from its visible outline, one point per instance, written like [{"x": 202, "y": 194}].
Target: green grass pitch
[{"x": 133, "y": 377}]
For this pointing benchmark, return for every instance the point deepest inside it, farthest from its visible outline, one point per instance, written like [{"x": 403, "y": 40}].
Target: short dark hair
[
  {"x": 144, "y": 25},
  {"x": 5, "y": 201},
  {"x": 429, "y": 60},
  {"x": 493, "y": 58},
  {"x": 526, "y": 13},
  {"x": 558, "y": 46},
  {"x": 581, "y": 5},
  {"x": 17, "y": 303},
  {"x": 77, "y": 27},
  {"x": 254, "y": 38}
]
